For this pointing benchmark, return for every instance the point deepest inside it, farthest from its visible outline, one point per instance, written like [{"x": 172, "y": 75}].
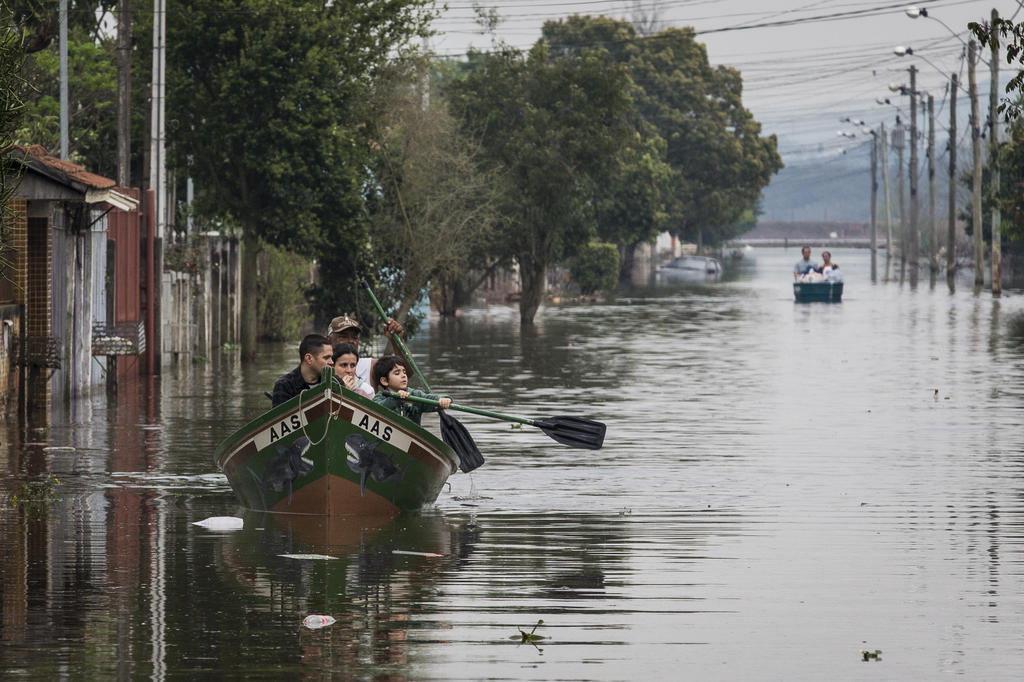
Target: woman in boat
[
  {"x": 829, "y": 268},
  {"x": 346, "y": 359},
  {"x": 391, "y": 376},
  {"x": 345, "y": 329}
]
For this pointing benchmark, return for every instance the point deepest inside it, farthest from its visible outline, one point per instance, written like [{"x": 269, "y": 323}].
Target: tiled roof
[{"x": 65, "y": 172}]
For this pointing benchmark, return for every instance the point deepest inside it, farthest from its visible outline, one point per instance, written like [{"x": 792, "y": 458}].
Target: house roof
[
  {"x": 60, "y": 170},
  {"x": 96, "y": 188}
]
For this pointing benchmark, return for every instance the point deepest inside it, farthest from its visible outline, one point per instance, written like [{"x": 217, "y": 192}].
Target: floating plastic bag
[
  {"x": 315, "y": 622},
  {"x": 307, "y": 556},
  {"x": 220, "y": 523}
]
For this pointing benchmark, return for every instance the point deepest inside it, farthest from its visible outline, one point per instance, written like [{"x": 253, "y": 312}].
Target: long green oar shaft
[
  {"x": 395, "y": 338},
  {"x": 471, "y": 410}
]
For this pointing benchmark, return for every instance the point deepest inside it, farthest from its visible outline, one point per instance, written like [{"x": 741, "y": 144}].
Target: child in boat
[
  {"x": 390, "y": 375},
  {"x": 346, "y": 358}
]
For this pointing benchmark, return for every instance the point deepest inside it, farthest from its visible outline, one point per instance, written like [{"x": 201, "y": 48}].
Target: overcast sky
[{"x": 799, "y": 79}]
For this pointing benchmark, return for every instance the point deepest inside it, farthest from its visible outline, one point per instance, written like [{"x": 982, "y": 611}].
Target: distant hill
[{"x": 837, "y": 189}]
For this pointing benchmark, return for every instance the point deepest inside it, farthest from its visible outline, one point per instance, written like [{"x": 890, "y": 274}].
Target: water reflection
[{"x": 782, "y": 486}]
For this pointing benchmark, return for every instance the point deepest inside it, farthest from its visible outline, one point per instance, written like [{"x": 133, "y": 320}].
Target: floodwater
[{"x": 783, "y": 486}]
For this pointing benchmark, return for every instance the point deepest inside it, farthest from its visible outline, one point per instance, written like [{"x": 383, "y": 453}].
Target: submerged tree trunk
[
  {"x": 533, "y": 274},
  {"x": 627, "y": 260},
  {"x": 250, "y": 285}
]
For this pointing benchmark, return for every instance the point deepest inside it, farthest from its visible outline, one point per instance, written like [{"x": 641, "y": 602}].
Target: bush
[
  {"x": 281, "y": 303},
  {"x": 596, "y": 267}
]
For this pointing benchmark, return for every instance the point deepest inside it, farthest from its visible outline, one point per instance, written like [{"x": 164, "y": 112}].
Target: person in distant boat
[
  {"x": 315, "y": 353},
  {"x": 805, "y": 264},
  {"x": 390, "y": 374},
  {"x": 346, "y": 329},
  {"x": 346, "y": 358},
  {"x": 829, "y": 268}
]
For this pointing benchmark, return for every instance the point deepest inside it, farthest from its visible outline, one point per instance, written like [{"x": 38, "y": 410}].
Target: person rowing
[{"x": 346, "y": 329}]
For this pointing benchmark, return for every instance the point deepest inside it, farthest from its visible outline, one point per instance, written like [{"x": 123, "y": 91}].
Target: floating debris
[
  {"x": 42, "y": 491},
  {"x": 58, "y": 448},
  {"x": 529, "y": 637},
  {"x": 875, "y": 655},
  {"x": 220, "y": 523},
  {"x": 432, "y": 555},
  {"x": 315, "y": 622},
  {"x": 311, "y": 557}
]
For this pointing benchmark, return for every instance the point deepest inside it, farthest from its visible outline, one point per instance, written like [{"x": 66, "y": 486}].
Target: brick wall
[{"x": 12, "y": 292}]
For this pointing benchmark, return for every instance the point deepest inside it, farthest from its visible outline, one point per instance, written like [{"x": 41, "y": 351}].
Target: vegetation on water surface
[{"x": 42, "y": 491}]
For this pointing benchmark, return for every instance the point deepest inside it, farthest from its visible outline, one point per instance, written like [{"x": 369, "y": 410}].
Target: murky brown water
[{"x": 781, "y": 488}]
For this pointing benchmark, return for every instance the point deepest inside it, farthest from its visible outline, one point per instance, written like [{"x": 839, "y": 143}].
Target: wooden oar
[
  {"x": 452, "y": 430},
  {"x": 576, "y": 432}
]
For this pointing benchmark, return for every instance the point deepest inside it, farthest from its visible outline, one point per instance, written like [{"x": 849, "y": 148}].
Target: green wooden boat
[
  {"x": 331, "y": 452},
  {"x": 818, "y": 292}
]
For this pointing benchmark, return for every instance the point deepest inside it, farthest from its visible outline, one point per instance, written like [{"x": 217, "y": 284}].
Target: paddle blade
[
  {"x": 576, "y": 432},
  {"x": 458, "y": 439}
]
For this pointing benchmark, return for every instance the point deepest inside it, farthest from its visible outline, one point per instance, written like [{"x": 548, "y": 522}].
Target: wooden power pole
[
  {"x": 915, "y": 236},
  {"x": 124, "y": 93},
  {"x": 875, "y": 141},
  {"x": 993, "y": 161},
  {"x": 933, "y": 229},
  {"x": 951, "y": 218},
  {"x": 972, "y": 88}
]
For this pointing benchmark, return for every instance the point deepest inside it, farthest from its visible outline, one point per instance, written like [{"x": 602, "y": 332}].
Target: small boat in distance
[
  {"x": 331, "y": 452},
  {"x": 818, "y": 292},
  {"x": 692, "y": 269}
]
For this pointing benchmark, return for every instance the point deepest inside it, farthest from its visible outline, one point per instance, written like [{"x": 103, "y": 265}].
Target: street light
[
  {"x": 902, "y": 50},
  {"x": 915, "y": 12}
]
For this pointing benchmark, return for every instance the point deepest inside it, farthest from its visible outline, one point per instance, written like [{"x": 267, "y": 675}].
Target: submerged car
[{"x": 692, "y": 269}]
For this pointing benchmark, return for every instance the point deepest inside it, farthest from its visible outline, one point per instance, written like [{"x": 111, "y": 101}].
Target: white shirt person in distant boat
[
  {"x": 829, "y": 269},
  {"x": 805, "y": 264}
]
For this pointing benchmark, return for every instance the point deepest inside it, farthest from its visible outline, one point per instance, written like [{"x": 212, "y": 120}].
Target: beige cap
[{"x": 343, "y": 322}]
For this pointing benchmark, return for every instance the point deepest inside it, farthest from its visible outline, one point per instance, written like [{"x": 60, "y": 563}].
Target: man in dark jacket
[{"x": 315, "y": 353}]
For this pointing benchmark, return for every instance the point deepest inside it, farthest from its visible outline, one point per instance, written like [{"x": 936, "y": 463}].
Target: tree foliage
[
  {"x": 1010, "y": 36},
  {"x": 435, "y": 204},
  {"x": 11, "y": 114},
  {"x": 595, "y": 267},
  {"x": 267, "y": 107},
  {"x": 553, "y": 123},
  {"x": 719, "y": 162}
]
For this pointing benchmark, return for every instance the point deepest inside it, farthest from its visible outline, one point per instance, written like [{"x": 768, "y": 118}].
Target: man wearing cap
[{"x": 346, "y": 329}]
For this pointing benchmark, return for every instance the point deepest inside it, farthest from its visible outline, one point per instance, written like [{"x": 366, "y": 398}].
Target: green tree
[
  {"x": 267, "y": 111},
  {"x": 11, "y": 113},
  {"x": 718, "y": 159},
  {"x": 1010, "y": 36},
  {"x": 1011, "y": 190},
  {"x": 435, "y": 205},
  {"x": 595, "y": 267},
  {"x": 92, "y": 103},
  {"x": 554, "y": 123}
]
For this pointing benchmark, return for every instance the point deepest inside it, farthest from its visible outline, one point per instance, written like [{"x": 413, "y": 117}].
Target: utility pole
[
  {"x": 954, "y": 85},
  {"x": 874, "y": 205},
  {"x": 915, "y": 244},
  {"x": 933, "y": 229},
  {"x": 993, "y": 161},
  {"x": 157, "y": 162},
  {"x": 65, "y": 136},
  {"x": 124, "y": 93},
  {"x": 972, "y": 88},
  {"x": 897, "y": 141},
  {"x": 884, "y": 153}
]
